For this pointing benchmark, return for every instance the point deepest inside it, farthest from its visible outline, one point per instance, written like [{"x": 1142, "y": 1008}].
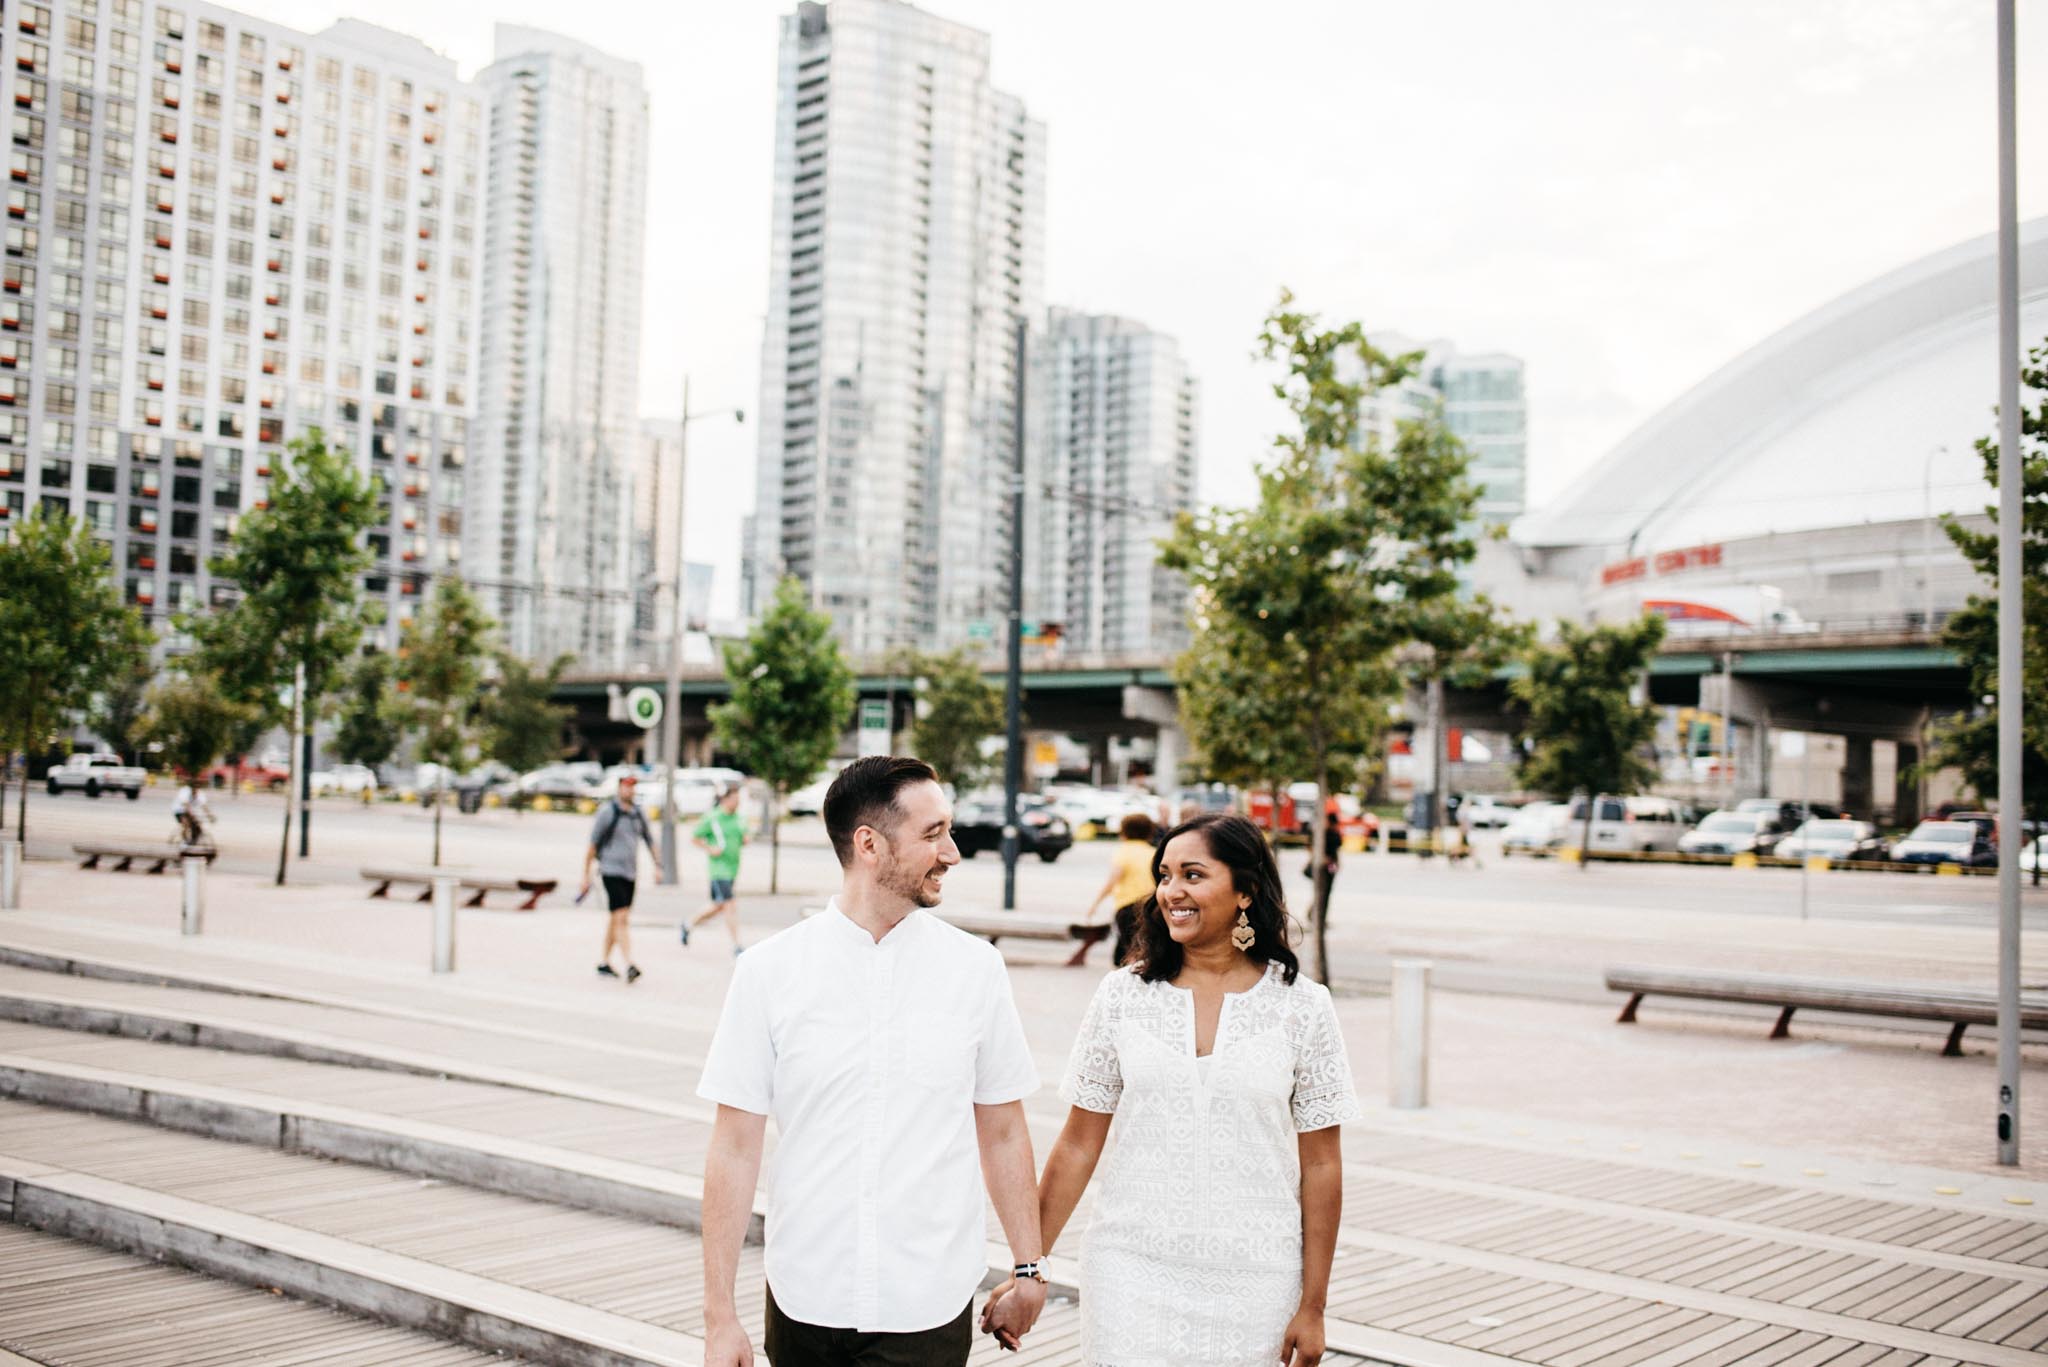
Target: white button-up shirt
[{"x": 871, "y": 1057}]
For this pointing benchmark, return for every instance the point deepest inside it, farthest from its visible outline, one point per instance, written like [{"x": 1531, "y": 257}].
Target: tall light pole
[
  {"x": 1013, "y": 680},
  {"x": 672, "y": 712},
  {"x": 2011, "y": 681}
]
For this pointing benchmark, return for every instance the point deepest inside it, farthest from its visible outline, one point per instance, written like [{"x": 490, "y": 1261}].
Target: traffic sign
[{"x": 643, "y": 708}]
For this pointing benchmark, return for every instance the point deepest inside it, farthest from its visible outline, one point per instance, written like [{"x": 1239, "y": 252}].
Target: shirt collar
[{"x": 844, "y": 925}]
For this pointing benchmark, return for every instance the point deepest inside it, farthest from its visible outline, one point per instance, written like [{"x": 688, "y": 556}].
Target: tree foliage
[
  {"x": 192, "y": 722},
  {"x": 117, "y": 708},
  {"x": 1585, "y": 730},
  {"x": 369, "y": 719},
  {"x": 957, "y": 710},
  {"x": 441, "y": 664},
  {"x": 64, "y": 633},
  {"x": 295, "y": 564},
  {"x": 1302, "y": 599},
  {"x": 792, "y": 696},
  {"x": 520, "y": 727},
  {"x": 1970, "y": 742}
]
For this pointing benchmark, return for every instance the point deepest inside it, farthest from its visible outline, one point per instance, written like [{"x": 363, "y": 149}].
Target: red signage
[{"x": 1663, "y": 562}]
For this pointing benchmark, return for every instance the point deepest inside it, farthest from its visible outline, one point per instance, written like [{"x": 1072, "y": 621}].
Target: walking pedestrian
[
  {"x": 887, "y": 1047},
  {"x": 1216, "y": 1221},
  {"x": 720, "y": 835},
  {"x": 1129, "y": 885},
  {"x": 615, "y": 840}
]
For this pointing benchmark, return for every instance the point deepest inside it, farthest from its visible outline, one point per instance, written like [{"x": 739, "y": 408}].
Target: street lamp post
[
  {"x": 672, "y": 712},
  {"x": 2011, "y": 661}
]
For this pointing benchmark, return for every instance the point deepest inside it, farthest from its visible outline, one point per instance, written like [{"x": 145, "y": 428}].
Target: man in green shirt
[{"x": 719, "y": 835}]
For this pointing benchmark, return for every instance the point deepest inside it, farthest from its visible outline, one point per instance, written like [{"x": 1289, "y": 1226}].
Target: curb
[{"x": 373, "y": 1283}]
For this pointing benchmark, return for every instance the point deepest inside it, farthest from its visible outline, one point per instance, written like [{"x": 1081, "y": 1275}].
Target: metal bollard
[
  {"x": 1408, "y": 1082},
  {"x": 444, "y": 923},
  {"x": 193, "y": 905},
  {"x": 10, "y": 875}
]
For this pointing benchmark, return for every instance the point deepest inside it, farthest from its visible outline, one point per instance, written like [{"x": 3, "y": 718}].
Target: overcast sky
[{"x": 1624, "y": 194}]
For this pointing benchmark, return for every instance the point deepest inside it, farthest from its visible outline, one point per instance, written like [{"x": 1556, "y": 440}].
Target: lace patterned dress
[{"x": 1193, "y": 1257}]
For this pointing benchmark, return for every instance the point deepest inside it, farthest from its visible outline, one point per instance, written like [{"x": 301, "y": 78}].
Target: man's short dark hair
[{"x": 865, "y": 794}]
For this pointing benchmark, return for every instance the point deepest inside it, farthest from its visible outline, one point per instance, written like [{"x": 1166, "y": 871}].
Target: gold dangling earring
[{"x": 1242, "y": 935}]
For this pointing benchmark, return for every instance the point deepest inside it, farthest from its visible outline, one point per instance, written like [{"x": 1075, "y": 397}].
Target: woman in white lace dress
[{"x": 1216, "y": 1217}]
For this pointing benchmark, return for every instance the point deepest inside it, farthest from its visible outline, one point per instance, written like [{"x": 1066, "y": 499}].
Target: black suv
[{"x": 978, "y": 826}]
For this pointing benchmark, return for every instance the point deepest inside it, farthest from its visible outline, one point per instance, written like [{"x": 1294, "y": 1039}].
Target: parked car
[
  {"x": 1947, "y": 842},
  {"x": 1486, "y": 812},
  {"x": 96, "y": 774},
  {"x": 978, "y": 826},
  {"x": 1833, "y": 838},
  {"x": 1537, "y": 828},
  {"x": 559, "y": 781},
  {"x": 1788, "y": 814},
  {"x": 352, "y": 779},
  {"x": 1104, "y": 808},
  {"x": 269, "y": 772},
  {"x": 1732, "y": 833},
  {"x": 809, "y": 800},
  {"x": 1630, "y": 825}
]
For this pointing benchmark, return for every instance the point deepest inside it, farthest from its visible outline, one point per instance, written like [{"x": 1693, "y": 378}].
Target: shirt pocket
[{"x": 939, "y": 1052}]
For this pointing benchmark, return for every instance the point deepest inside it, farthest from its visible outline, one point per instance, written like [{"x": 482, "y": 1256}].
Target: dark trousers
[{"x": 792, "y": 1343}]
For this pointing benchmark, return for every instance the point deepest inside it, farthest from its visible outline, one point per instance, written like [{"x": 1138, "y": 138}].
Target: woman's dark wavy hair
[{"x": 1241, "y": 847}]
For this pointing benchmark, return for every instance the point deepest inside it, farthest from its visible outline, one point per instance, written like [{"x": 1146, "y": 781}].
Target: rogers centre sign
[{"x": 1663, "y": 562}]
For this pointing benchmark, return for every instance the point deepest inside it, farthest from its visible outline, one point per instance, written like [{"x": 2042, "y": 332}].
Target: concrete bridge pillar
[
  {"x": 1157, "y": 706},
  {"x": 1858, "y": 774},
  {"x": 1906, "y": 805}
]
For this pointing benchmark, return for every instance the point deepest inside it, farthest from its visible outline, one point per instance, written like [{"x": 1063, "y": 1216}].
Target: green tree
[
  {"x": 1970, "y": 742},
  {"x": 792, "y": 696},
  {"x": 522, "y": 728},
  {"x": 370, "y": 721},
  {"x": 1586, "y": 731},
  {"x": 441, "y": 664},
  {"x": 299, "y": 619},
  {"x": 115, "y": 715},
  {"x": 1309, "y": 592},
  {"x": 956, "y": 711},
  {"x": 64, "y": 632},
  {"x": 192, "y": 721}
]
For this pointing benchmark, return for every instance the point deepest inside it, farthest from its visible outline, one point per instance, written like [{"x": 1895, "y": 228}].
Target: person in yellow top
[{"x": 1130, "y": 881}]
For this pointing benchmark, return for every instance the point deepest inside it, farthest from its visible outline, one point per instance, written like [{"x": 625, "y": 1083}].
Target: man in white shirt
[{"x": 887, "y": 1047}]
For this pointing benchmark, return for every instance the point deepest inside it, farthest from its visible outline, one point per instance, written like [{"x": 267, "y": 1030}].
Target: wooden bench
[
  {"x": 478, "y": 885},
  {"x": 999, "y": 925},
  {"x": 1960, "y": 1008},
  {"x": 158, "y": 857}
]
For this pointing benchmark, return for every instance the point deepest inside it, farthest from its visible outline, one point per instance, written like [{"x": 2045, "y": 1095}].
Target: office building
[
  {"x": 1479, "y": 399},
  {"x": 558, "y": 434},
  {"x": 1113, "y": 458},
  {"x": 907, "y": 236},
  {"x": 221, "y": 234}
]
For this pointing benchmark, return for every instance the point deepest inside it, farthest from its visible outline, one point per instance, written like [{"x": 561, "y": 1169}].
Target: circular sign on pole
[{"x": 643, "y": 708}]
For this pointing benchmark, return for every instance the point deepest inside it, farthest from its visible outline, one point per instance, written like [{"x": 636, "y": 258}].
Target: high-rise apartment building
[
  {"x": 1112, "y": 458},
  {"x": 907, "y": 246},
  {"x": 1480, "y": 398},
  {"x": 222, "y": 233},
  {"x": 550, "y": 526}
]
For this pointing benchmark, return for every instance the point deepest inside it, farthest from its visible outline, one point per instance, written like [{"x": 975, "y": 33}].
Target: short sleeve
[
  {"x": 1323, "y": 1093},
  {"x": 1095, "y": 1078},
  {"x": 739, "y": 1070},
  {"x": 1003, "y": 1070}
]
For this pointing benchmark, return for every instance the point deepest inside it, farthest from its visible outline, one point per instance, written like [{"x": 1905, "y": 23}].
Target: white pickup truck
[{"x": 96, "y": 774}]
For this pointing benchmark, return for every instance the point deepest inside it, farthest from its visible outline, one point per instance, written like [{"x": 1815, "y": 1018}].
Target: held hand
[
  {"x": 727, "y": 1345},
  {"x": 1303, "y": 1345},
  {"x": 988, "y": 1311},
  {"x": 1011, "y": 1319}
]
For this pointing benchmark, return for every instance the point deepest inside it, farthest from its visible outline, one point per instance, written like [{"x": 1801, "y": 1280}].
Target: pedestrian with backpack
[{"x": 615, "y": 840}]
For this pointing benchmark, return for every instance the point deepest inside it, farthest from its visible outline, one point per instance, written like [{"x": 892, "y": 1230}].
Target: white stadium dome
[{"x": 1866, "y": 410}]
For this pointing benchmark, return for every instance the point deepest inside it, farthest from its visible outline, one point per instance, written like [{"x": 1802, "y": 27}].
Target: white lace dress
[{"x": 1193, "y": 1258}]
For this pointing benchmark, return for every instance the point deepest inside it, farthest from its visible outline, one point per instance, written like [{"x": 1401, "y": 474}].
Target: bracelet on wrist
[{"x": 1031, "y": 1271}]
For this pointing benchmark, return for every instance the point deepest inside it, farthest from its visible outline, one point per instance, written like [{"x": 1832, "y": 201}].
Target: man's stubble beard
[{"x": 899, "y": 881}]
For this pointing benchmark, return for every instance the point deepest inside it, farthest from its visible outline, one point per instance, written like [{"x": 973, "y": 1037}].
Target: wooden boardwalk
[
  {"x": 71, "y": 1303},
  {"x": 1461, "y": 1245}
]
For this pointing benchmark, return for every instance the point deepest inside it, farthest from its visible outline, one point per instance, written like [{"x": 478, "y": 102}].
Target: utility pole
[
  {"x": 2011, "y": 664},
  {"x": 1013, "y": 684},
  {"x": 672, "y": 699}
]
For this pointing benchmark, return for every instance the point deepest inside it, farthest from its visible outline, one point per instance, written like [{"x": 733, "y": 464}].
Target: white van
[{"x": 1626, "y": 825}]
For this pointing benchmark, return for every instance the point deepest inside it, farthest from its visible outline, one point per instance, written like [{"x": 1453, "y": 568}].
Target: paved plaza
[{"x": 1679, "y": 1191}]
